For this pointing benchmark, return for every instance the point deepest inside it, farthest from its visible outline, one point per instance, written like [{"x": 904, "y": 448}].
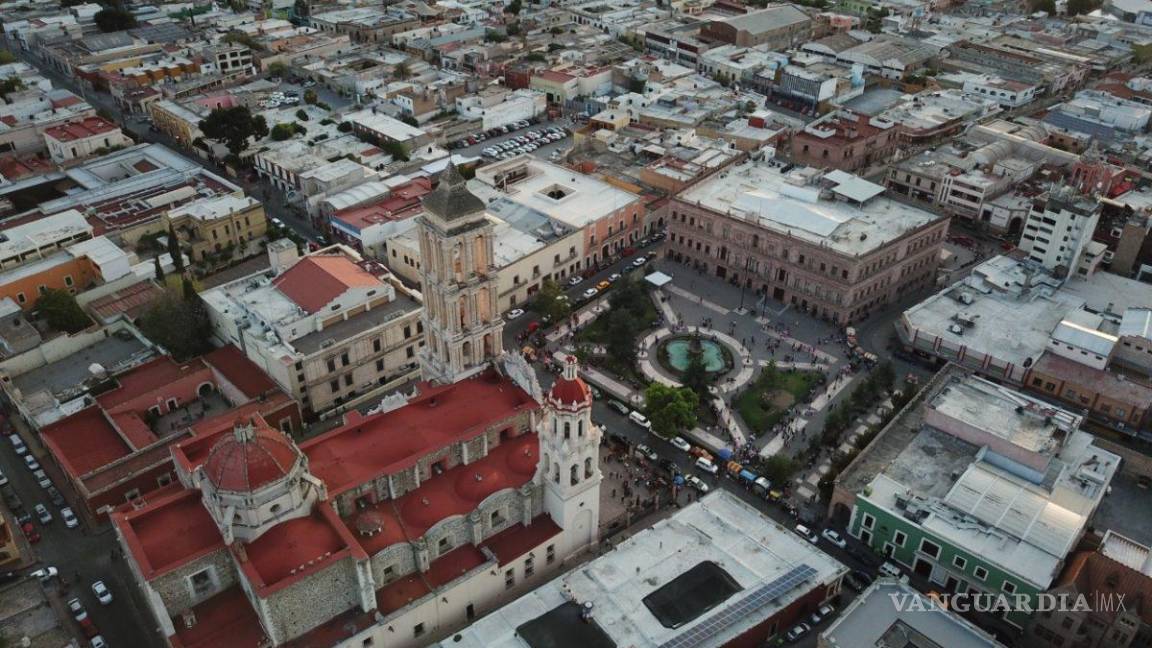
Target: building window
[
  {"x": 509, "y": 579},
  {"x": 418, "y": 630},
  {"x": 409, "y": 352},
  {"x": 335, "y": 385},
  {"x": 980, "y": 573},
  {"x": 379, "y": 366},
  {"x": 959, "y": 562},
  {"x": 133, "y": 494},
  {"x": 445, "y": 545},
  {"x": 899, "y": 538},
  {"x": 331, "y": 364},
  {"x": 389, "y": 572},
  {"x": 868, "y": 521},
  {"x": 1009, "y": 587},
  {"x": 496, "y": 519},
  {"x": 550, "y": 554},
  {"x": 376, "y": 344},
  {"x": 68, "y": 280},
  {"x": 529, "y": 567},
  {"x": 344, "y": 358},
  {"x": 930, "y": 548},
  {"x": 202, "y": 583},
  {"x": 21, "y": 298},
  {"x": 348, "y": 380}
]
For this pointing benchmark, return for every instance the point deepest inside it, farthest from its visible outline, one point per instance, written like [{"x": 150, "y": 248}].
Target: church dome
[
  {"x": 569, "y": 389},
  {"x": 251, "y": 457}
]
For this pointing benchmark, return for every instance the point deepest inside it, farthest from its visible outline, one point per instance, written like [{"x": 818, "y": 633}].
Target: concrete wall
[{"x": 176, "y": 591}]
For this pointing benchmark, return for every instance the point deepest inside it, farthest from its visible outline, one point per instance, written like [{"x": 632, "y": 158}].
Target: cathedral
[{"x": 398, "y": 527}]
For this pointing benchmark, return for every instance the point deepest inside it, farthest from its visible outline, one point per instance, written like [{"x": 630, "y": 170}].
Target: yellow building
[
  {"x": 224, "y": 224},
  {"x": 175, "y": 121}
]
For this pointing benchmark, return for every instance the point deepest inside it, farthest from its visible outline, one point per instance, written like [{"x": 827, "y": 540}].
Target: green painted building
[{"x": 977, "y": 488}]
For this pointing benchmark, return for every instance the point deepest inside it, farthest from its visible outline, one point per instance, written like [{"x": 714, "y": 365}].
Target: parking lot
[{"x": 545, "y": 150}]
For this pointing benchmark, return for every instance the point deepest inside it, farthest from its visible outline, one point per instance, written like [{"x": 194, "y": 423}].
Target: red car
[{"x": 31, "y": 533}]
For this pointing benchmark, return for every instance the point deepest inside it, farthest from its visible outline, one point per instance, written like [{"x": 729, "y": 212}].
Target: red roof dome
[
  {"x": 251, "y": 457},
  {"x": 569, "y": 388}
]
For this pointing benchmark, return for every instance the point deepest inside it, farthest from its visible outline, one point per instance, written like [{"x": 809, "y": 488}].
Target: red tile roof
[
  {"x": 316, "y": 281},
  {"x": 294, "y": 549},
  {"x": 84, "y": 441},
  {"x": 517, "y": 540},
  {"x": 246, "y": 463},
  {"x": 13, "y": 168},
  {"x": 240, "y": 371},
  {"x": 173, "y": 529},
  {"x": 82, "y": 129},
  {"x": 131, "y": 301},
  {"x": 1092, "y": 573},
  {"x": 391, "y": 441},
  {"x": 226, "y": 619}
]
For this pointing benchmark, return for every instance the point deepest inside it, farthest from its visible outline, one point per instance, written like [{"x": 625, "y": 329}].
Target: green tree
[
  {"x": 281, "y": 132},
  {"x": 277, "y": 69},
  {"x": 10, "y": 85},
  {"x": 174, "y": 250},
  {"x": 113, "y": 19},
  {"x": 778, "y": 469},
  {"x": 234, "y": 127},
  {"x": 696, "y": 373},
  {"x": 1079, "y": 7},
  {"x": 310, "y": 96},
  {"x": 301, "y": 8},
  {"x": 549, "y": 304},
  {"x": 61, "y": 311},
  {"x": 513, "y": 8},
  {"x": 410, "y": 120},
  {"x": 401, "y": 71},
  {"x": 301, "y": 115},
  {"x": 179, "y": 325},
  {"x": 621, "y": 330},
  {"x": 671, "y": 410},
  {"x": 188, "y": 290},
  {"x": 397, "y": 150},
  {"x": 6, "y": 57},
  {"x": 345, "y": 127},
  {"x": 158, "y": 269}
]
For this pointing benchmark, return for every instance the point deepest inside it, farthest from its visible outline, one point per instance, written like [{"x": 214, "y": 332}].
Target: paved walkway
[
  {"x": 583, "y": 316},
  {"x": 693, "y": 297}
]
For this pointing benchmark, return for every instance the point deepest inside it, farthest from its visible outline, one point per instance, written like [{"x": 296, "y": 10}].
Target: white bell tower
[{"x": 569, "y": 467}]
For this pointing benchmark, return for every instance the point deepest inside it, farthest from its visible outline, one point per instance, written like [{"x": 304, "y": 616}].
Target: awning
[{"x": 658, "y": 279}]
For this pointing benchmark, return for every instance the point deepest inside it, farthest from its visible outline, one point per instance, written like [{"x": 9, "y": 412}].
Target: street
[{"x": 82, "y": 556}]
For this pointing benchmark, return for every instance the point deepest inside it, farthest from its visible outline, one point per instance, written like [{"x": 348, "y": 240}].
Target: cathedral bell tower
[
  {"x": 569, "y": 467},
  {"x": 461, "y": 318}
]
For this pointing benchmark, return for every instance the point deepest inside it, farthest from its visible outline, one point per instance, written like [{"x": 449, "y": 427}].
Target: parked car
[
  {"x": 707, "y": 465},
  {"x": 18, "y": 444},
  {"x": 43, "y": 514},
  {"x": 890, "y": 570},
  {"x": 619, "y": 407},
  {"x": 30, "y": 532},
  {"x": 42, "y": 478},
  {"x": 823, "y": 614},
  {"x": 102, "y": 593},
  {"x": 670, "y": 467},
  {"x": 595, "y": 391},
  {"x": 590, "y": 293},
  {"x": 575, "y": 280},
  {"x": 640, "y": 419},
  {"x": 680, "y": 444},
  {"x": 857, "y": 580},
  {"x": 806, "y": 533},
  {"x": 647, "y": 453},
  {"x": 603, "y": 285},
  {"x": 640, "y": 261},
  {"x": 614, "y": 277},
  {"x": 514, "y": 313},
  {"x": 31, "y": 462},
  {"x": 70, "y": 519},
  {"x": 834, "y": 538},
  {"x": 798, "y": 631},
  {"x": 77, "y": 609},
  {"x": 697, "y": 483},
  {"x": 56, "y": 497},
  {"x": 45, "y": 573},
  {"x": 98, "y": 642}
]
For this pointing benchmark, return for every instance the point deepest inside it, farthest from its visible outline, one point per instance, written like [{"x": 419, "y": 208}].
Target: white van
[
  {"x": 640, "y": 419},
  {"x": 705, "y": 464},
  {"x": 890, "y": 570}
]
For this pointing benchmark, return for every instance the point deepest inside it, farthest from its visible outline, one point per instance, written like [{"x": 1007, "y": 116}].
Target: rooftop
[
  {"x": 873, "y": 619},
  {"x": 748, "y": 568},
  {"x": 82, "y": 129},
  {"x": 388, "y": 442},
  {"x": 48, "y": 231},
  {"x": 794, "y": 202},
  {"x": 1016, "y": 305},
  {"x": 213, "y": 208},
  {"x": 568, "y": 196}
]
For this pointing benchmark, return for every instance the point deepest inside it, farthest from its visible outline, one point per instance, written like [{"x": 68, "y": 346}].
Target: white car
[
  {"x": 647, "y": 453},
  {"x": 98, "y": 642},
  {"x": 514, "y": 313},
  {"x": 590, "y": 293},
  {"x": 101, "y": 592},
  {"x": 697, "y": 483},
  {"x": 808, "y": 534},
  {"x": 640, "y": 419},
  {"x": 834, "y": 538},
  {"x": 707, "y": 465},
  {"x": 680, "y": 444},
  {"x": 42, "y": 479},
  {"x": 576, "y": 280},
  {"x": 70, "y": 519},
  {"x": 640, "y": 261},
  {"x": 43, "y": 514},
  {"x": 77, "y": 610},
  {"x": 277, "y": 222},
  {"x": 31, "y": 462},
  {"x": 614, "y": 277},
  {"x": 799, "y": 631},
  {"x": 45, "y": 574},
  {"x": 18, "y": 444}
]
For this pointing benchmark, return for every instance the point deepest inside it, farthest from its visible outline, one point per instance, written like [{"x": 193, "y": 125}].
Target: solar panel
[{"x": 699, "y": 634}]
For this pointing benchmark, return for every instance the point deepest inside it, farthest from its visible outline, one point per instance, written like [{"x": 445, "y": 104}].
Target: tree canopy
[
  {"x": 548, "y": 302},
  {"x": 178, "y": 324},
  {"x": 671, "y": 410},
  {"x": 113, "y": 19},
  {"x": 401, "y": 71},
  {"x": 60, "y": 310},
  {"x": 234, "y": 126},
  {"x": 696, "y": 373},
  {"x": 6, "y": 57}
]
